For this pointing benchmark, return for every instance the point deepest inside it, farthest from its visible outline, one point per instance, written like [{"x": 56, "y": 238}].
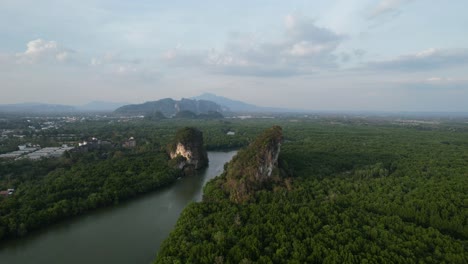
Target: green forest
[
  {"x": 88, "y": 184},
  {"x": 358, "y": 193},
  {"x": 51, "y": 190},
  {"x": 346, "y": 190}
]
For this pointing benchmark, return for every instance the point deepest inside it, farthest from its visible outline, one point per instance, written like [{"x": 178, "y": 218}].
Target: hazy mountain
[
  {"x": 101, "y": 106},
  {"x": 201, "y": 104},
  {"x": 238, "y": 106},
  {"x": 227, "y": 103},
  {"x": 37, "y": 108},
  {"x": 95, "y": 106},
  {"x": 170, "y": 107},
  {"x": 186, "y": 114}
]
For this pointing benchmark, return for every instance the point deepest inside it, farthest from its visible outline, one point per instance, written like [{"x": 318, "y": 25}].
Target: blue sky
[{"x": 385, "y": 55}]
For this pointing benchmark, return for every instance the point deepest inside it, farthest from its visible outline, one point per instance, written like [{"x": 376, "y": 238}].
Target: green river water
[{"x": 129, "y": 233}]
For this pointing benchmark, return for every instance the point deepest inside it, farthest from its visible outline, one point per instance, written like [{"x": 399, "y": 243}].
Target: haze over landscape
[{"x": 387, "y": 55}]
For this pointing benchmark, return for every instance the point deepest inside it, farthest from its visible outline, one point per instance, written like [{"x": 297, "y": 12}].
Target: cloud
[
  {"x": 40, "y": 50},
  {"x": 444, "y": 86},
  {"x": 116, "y": 66},
  {"x": 386, "y": 7},
  {"x": 429, "y": 59},
  {"x": 359, "y": 53},
  {"x": 62, "y": 56},
  {"x": 302, "y": 29},
  {"x": 304, "y": 48},
  {"x": 425, "y": 85},
  {"x": 432, "y": 80},
  {"x": 436, "y": 79},
  {"x": 112, "y": 58},
  {"x": 179, "y": 57}
]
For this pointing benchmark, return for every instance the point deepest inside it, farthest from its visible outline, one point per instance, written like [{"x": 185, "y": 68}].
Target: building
[
  {"x": 9, "y": 155},
  {"x": 7, "y": 192},
  {"x": 23, "y": 150},
  {"x": 130, "y": 143},
  {"x": 50, "y": 152}
]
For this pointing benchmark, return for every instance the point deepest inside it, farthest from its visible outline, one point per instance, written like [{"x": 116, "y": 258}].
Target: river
[{"x": 129, "y": 233}]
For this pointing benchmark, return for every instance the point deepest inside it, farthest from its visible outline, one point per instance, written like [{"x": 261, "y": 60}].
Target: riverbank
[{"x": 127, "y": 233}]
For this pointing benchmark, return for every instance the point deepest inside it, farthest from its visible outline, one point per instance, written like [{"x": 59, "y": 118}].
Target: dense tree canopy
[
  {"x": 53, "y": 189},
  {"x": 49, "y": 190},
  {"x": 350, "y": 191},
  {"x": 64, "y": 192},
  {"x": 360, "y": 194}
]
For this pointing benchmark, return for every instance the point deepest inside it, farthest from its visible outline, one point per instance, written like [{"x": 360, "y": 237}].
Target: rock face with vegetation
[
  {"x": 254, "y": 167},
  {"x": 188, "y": 151}
]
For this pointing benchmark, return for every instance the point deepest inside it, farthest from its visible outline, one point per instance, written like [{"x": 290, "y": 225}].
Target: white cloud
[
  {"x": 303, "y": 49},
  {"x": 95, "y": 62},
  {"x": 428, "y": 83},
  {"x": 300, "y": 28},
  {"x": 445, "y": 80},
  {"x": 126, "y": 69},
  {"x": 290, "y": 21},
  {"x": 434, "y": 79},
  {"x": 39, "y": 46},
  {"x": 424, "y": 60},
  {"x": 62, "y": 56},
  {"x": 386, "y": 7},
  {"x": 112, "y": 58},
  {"x": 179, "y": 57},
  {"x": 40, "y": 50},
  {"x": 115, "y": 63},
  {"x": 426, "y": 53},
  {"x": 226, "y": 59}
]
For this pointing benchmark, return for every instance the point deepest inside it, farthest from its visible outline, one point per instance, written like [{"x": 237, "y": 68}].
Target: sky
[{"x": 342, "y": 55}]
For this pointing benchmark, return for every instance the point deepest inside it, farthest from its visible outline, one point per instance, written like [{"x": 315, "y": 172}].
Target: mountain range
[
  {"x": 37, "y": 108},
  {"x": 226, "y": 103},
  {"x": 170, "y": 107},
  {"x": 201, "y": 104},
  {"x": 94, "y": 106},
  {"x": 238, "y": 106}
]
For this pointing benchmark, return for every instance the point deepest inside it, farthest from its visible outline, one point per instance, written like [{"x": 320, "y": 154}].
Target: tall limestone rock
[
  {"x": 187, "y": 151},
  {"x": 254, "y": 167}
]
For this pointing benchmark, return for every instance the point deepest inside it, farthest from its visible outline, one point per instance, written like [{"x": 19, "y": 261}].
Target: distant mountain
[
  {"x": 95, "y": 106},
  {"x": 186, "y": 114},
  {"x": 101, "y": 106},
  {"x": 170, "y": 107},
  {"x": 37, "y": 108},
  {"x": 238, "y": 106},
  {"x": 201, "y": 104},
  {"x": 227, "y": 103}
]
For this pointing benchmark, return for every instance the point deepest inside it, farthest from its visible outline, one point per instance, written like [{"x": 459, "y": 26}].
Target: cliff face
[
  {"x": 188, "y": 150},
  {"x": 268, "y": 161},
  {"x": 255, "y": 167}
]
